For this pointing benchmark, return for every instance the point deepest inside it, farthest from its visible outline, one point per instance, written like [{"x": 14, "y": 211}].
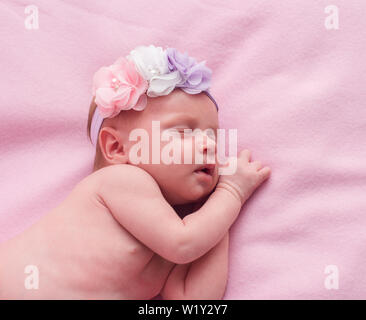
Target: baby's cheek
[
  {"x": 171, "y": 151},
  {"x": 188, "y": 146}
]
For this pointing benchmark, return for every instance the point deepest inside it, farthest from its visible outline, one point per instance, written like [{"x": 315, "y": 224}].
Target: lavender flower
[{"x": 195, "y": 76}]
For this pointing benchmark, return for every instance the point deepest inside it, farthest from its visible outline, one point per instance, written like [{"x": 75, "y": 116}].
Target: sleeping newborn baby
[{"x": 140, "y": 225}]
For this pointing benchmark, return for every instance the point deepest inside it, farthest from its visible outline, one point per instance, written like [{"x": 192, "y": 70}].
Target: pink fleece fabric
[{"x": 294, "y": 90}]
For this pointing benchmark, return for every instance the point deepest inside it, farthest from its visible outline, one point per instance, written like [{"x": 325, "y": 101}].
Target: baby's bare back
[{"x": 81, "y": 252}]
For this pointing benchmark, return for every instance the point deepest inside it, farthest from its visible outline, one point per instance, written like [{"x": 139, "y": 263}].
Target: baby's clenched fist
[{"x": 247, "y": 178}]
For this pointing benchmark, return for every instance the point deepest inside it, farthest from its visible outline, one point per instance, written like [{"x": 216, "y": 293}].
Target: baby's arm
[
  {"x": 202, "y": 279},
  {"x": 135, "y": 200}
]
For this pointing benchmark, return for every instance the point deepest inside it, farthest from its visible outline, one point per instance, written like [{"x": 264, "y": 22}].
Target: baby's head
[{"x": 183, "y": 181}]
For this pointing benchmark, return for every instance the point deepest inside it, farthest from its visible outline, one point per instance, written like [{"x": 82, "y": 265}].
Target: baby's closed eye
[{"x": 182, "y": 131}]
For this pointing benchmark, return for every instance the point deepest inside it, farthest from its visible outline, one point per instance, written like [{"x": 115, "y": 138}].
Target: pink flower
[{"x": 119, "y": 87}]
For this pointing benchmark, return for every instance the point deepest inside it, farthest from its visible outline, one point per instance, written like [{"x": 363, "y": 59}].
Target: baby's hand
[{"x": 247, "y": 178}]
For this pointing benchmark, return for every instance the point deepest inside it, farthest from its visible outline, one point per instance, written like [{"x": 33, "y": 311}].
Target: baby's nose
[{"x": 207, "y": 143}]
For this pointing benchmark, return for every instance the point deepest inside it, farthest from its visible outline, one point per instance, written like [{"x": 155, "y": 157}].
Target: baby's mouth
[{"x": 207, "y": 169}]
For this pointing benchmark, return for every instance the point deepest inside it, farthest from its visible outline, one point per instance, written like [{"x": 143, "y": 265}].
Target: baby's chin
[{"x": 193, "y": 194}]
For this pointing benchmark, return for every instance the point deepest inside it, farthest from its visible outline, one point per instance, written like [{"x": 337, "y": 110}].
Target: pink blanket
[{"x": 294, "y": 89}]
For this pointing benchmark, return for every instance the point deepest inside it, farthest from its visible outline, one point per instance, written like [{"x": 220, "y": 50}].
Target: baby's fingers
[
  {"x": 245, "y": 154},
  {"x": 265, "y": 173},
  {"x": 226, "y": 162},
  {"x": 256, "y": 164}
]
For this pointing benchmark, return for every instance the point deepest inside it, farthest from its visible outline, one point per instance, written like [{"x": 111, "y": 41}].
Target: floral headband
[{"x": 146, "y": 71}]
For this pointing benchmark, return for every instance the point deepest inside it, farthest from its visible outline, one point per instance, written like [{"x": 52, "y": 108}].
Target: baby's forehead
[
  {"x": 179, "y": 102},
  {"x": 184, "y": 116},
  {"x": 184, "y": 120},
  {"x": 177, "y": 108}
]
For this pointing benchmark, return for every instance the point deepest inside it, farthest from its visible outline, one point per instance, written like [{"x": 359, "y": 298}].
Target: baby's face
[{"x": 183, "y": 182}]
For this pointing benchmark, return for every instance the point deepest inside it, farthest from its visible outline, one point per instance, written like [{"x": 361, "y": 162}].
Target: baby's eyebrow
[
  {"x": 180, "y": 118},
  {"x": 183, "y": 118}
]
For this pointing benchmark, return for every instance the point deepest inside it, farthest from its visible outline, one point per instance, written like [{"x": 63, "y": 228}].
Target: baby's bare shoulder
[
  {"x": 124, "y": 177},
  {"x": 121, "y": 181}
]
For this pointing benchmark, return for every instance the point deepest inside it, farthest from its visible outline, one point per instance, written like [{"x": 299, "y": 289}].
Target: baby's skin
[{"x": 117, "y": 235}]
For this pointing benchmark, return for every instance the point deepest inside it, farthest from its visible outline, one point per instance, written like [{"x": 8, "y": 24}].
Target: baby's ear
[{"x": 112, "y": 146}]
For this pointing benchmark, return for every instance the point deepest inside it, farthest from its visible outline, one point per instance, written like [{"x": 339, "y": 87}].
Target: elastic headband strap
[
  {"x": 212, "y": 98},
  {"x": 95, "y": 126},
  {"x": 98, "y": 120}
]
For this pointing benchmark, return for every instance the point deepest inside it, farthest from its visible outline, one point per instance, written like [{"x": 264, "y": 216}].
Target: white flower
[
  {"x": 149, "y": 61},
  {"x": 163, "y": 85},
  {"x": 152, "y": 63}
]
